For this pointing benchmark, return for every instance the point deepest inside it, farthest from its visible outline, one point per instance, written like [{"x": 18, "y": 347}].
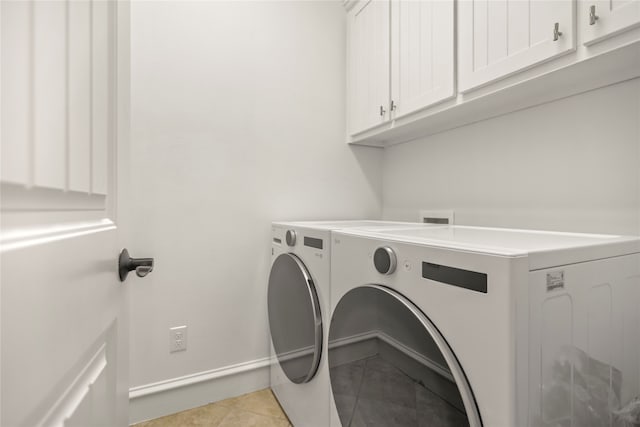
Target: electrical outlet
[{"x": 177, "y": 339}]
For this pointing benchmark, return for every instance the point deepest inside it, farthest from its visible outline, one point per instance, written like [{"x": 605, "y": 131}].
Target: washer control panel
[{"x": 384, "y": 260}]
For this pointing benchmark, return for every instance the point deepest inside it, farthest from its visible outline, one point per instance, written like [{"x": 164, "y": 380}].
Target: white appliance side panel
[{"x": 584, "y": 342}]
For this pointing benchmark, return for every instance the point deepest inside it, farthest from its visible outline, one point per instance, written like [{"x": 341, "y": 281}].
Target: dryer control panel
[{"x": 455, "y": 276}]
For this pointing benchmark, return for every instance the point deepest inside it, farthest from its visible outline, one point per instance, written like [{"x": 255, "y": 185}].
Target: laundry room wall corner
[{"x": 238, "y": 119}]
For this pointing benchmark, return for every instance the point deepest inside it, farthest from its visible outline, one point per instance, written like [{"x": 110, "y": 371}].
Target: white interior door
[{"x": 63, "y": 311}]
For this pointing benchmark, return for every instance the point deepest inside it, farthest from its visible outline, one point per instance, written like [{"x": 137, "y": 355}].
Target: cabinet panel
[
  {"x": 610, "y": 17},
  {"x": 498, "y": 38},
  {"x": 368, "y": 65},
  {"x": 422, "y": 54}
]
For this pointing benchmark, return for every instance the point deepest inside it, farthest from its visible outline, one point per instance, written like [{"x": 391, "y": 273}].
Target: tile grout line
[
  {"x": 231, "y": 409},
  {"x": 225, "y": 416},
  {"x": 250, "y": 411}
]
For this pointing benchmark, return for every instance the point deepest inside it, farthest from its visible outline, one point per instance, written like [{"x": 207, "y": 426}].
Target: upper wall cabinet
[
  {"x": 606, "y": 18},
  {"x": 404, "y": 82},
  {"x": 500, "y": 37},
  {"x": 368, "y": 53},
  {"x": 400, "y": 59},
  {"x": 422, "y": 54}
]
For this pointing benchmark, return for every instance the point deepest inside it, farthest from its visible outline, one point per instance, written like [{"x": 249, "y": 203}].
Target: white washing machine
[
  {"x": 298, "y": 303},
  {"x": 455, "y": 326}
]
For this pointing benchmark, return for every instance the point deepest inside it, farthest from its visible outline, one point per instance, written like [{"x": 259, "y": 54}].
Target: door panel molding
[
  {"x": 80, "y": 393},
  {"x": 32, "y": 236},
  {"x": 58, "y": 115},
  {"x": 16, "y": 197}
]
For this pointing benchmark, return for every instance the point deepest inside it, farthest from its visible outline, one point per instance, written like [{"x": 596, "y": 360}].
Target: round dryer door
[
  {"x": 294, "y": 318},
  {"x": 390, "y": 366}
]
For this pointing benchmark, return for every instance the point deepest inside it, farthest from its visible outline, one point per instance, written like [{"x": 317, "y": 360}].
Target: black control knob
[
  {"x": 384, "y": 259},
  {"x": 290, "y": 237}
]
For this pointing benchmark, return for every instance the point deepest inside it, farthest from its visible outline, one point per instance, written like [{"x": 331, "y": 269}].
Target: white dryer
[
  {"x": 455, "y": 326},
  {"x": 298, "y": 303}
]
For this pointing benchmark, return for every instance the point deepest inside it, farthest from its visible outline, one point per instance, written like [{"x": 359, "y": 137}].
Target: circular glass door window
[
  {"x": 390, "y": 366},
  {"x": 295, "y": 321}
]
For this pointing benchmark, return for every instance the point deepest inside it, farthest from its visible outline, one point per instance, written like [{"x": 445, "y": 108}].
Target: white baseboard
[
  {"x": 178, "y": 394},
  {"x": 352, "y": 341},
  {"x": 418, "y": 357}
]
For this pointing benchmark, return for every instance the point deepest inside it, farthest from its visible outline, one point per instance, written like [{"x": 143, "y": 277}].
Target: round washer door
[
  {"x": 389, "y": 365},
  {"x": 294, "y": 318}
]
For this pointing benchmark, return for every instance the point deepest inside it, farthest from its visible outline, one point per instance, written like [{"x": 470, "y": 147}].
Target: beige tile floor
[{"x": 258, "y": 409}]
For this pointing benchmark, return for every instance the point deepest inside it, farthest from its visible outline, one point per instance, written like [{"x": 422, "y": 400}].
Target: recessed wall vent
[{"x": 436, "y": 217}]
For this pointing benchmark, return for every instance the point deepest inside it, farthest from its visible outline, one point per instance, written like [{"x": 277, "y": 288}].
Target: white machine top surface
[
  {"x": 509, "y": 242},
  {"x": 360, "y": 224}
]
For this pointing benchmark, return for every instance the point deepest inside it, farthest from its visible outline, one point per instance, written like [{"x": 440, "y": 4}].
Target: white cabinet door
[
  {"x": 605, "y": 18},
  {"x": 368, "y": 56},
  {"x": 64, "y": 131},
  {"x": 422, "y": 60},
  {"x": 498, "y": 38}
]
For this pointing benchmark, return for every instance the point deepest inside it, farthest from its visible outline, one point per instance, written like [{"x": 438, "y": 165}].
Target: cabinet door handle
[
  {"x": 393, "y": 105},
  {"x": 556, "y": 31},
  {"x": 592, "y": 15},
  {"x": 382, "y": 111}
]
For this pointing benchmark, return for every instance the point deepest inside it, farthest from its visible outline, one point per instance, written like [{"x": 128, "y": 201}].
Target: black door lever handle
[{"x": 142, "y": 266}]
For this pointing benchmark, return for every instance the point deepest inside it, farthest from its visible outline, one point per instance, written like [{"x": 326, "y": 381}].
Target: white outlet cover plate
[{"x": 177, "y": 339}]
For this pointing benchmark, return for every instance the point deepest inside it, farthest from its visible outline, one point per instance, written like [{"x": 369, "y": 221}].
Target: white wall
[
  {"x": 237, "y": 120},
  {"x": 571, "y": 165}
]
